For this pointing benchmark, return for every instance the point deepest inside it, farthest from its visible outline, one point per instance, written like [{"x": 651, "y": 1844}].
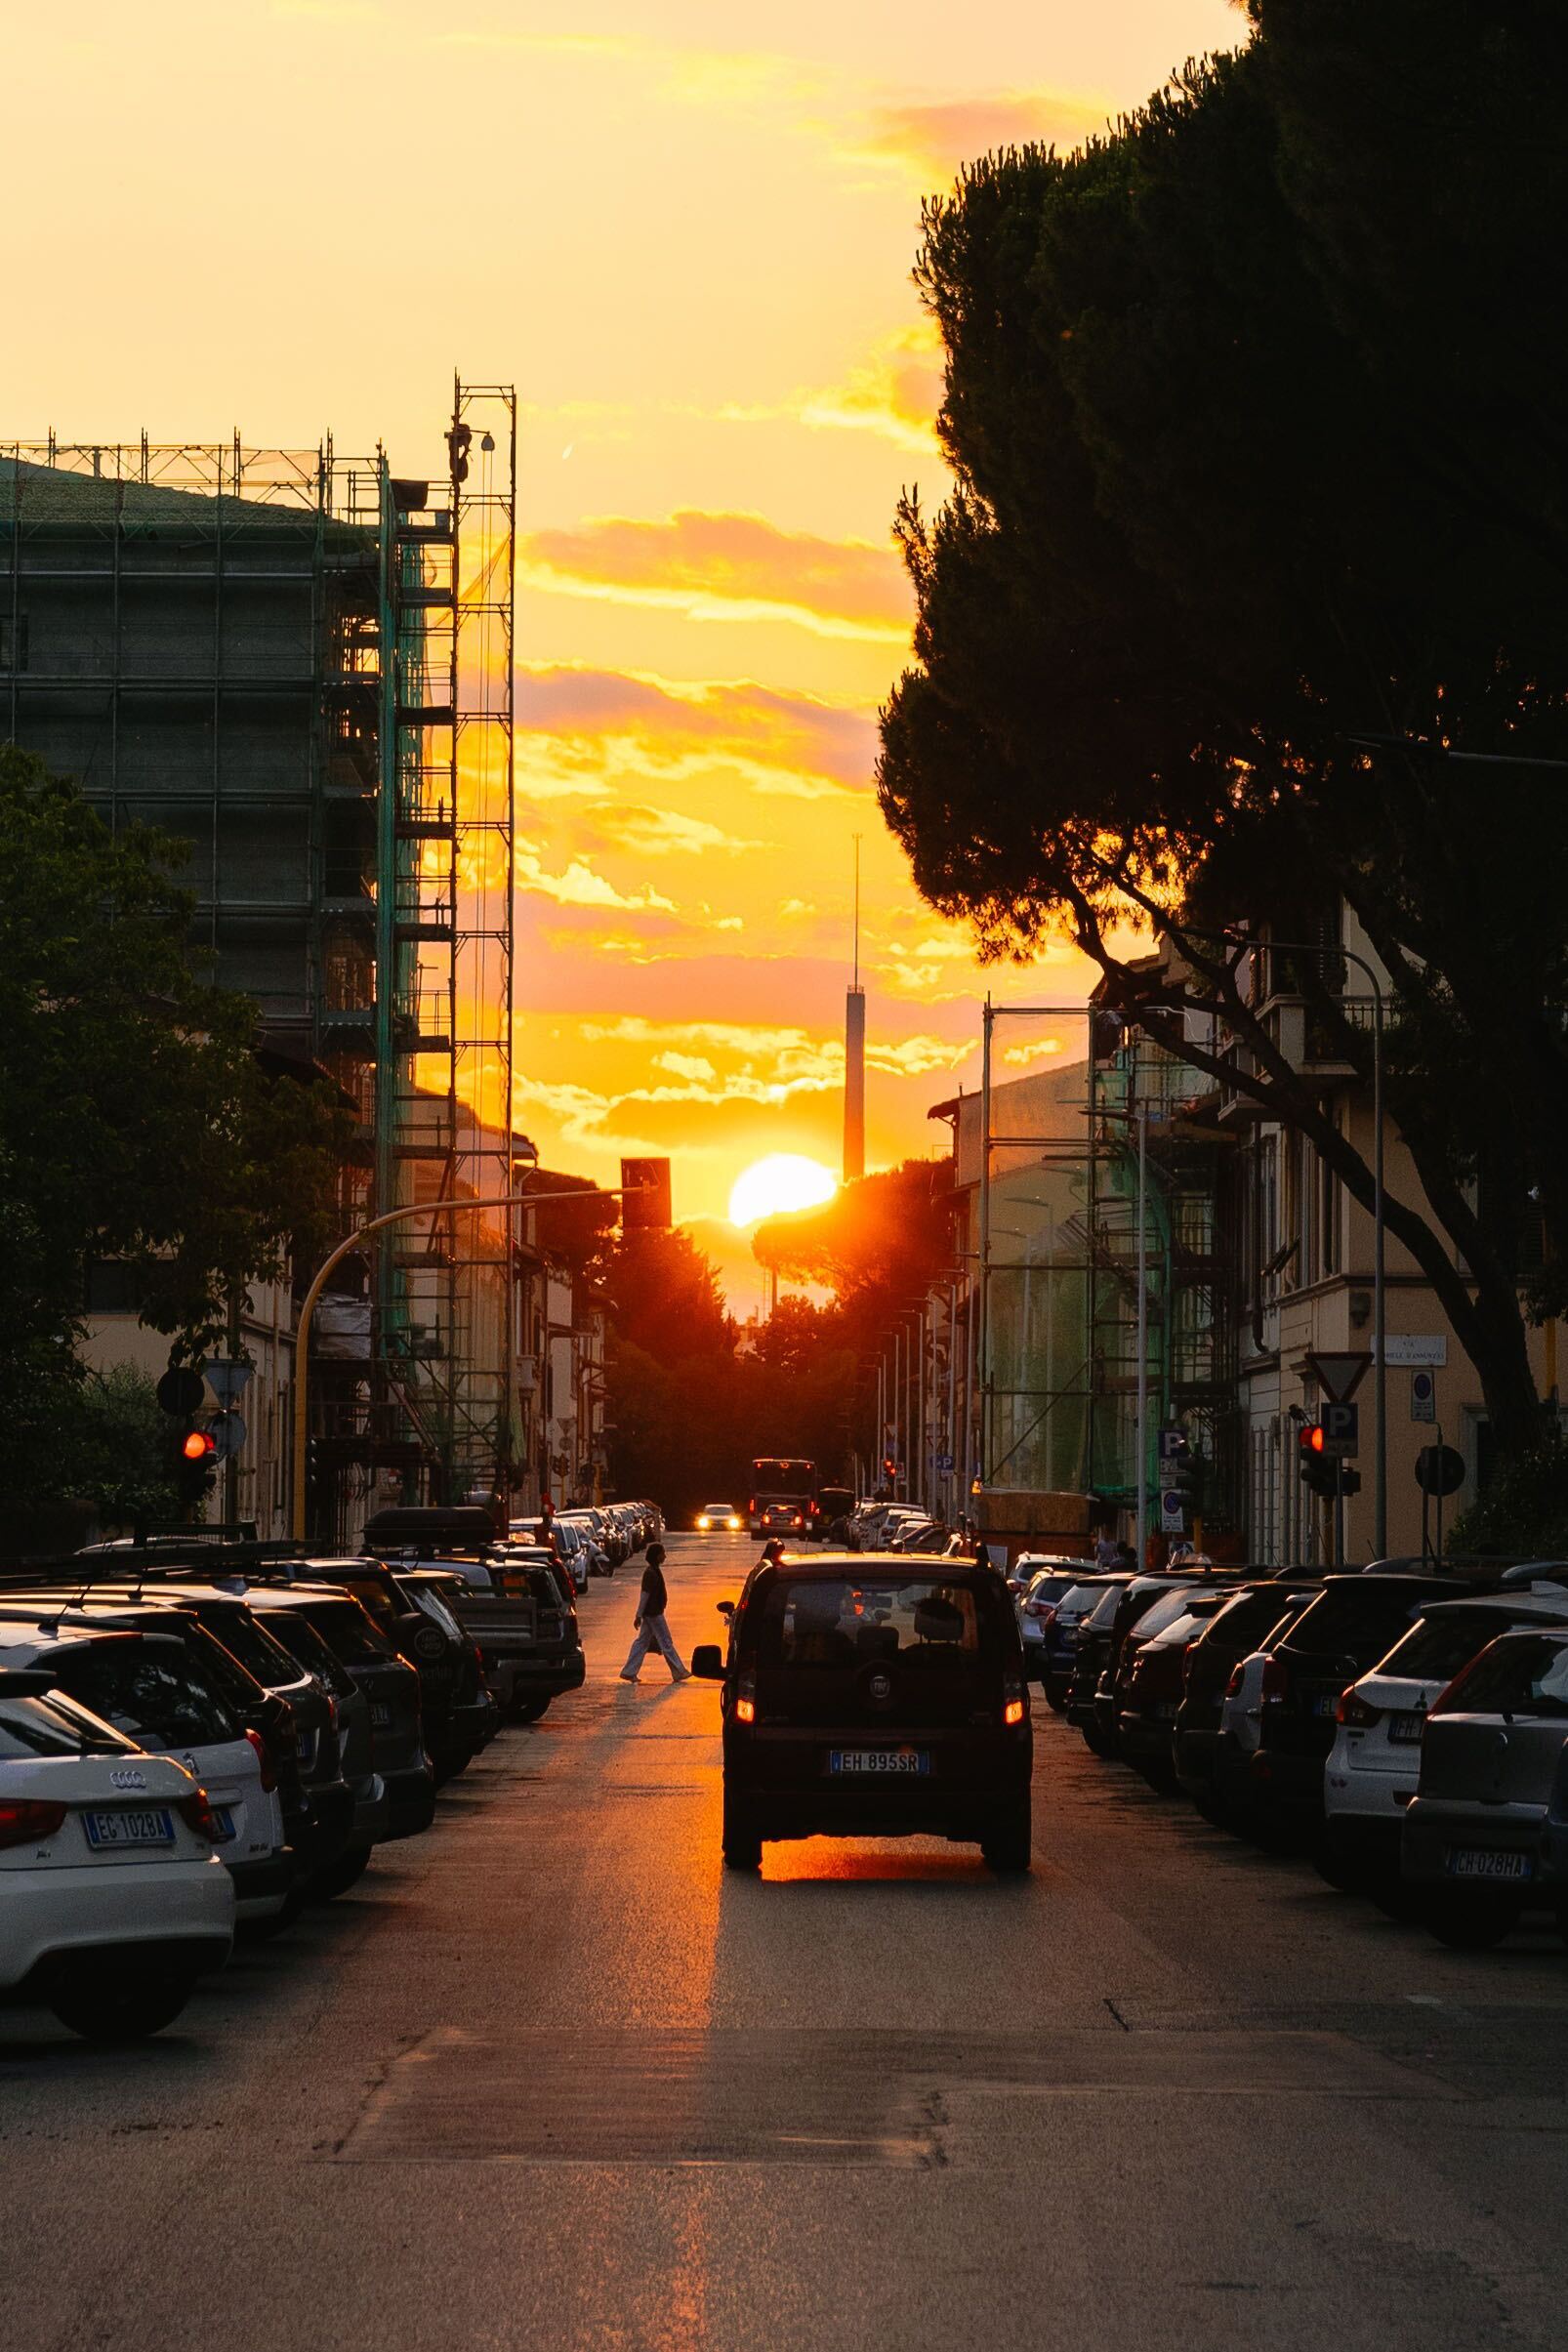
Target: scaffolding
[
  {"x": 1057, "y": 1326},
  {"x": 302, "y": 665}
]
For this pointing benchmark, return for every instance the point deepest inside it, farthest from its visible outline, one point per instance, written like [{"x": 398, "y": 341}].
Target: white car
[
  {"x": 1043, "y": 1583},
  {"x": 1375, "y": 1763},
  {"x": 720, "y": 1515},
  {"x": 157, "y": 1695},
  {"x": 112, "y": 1898}
]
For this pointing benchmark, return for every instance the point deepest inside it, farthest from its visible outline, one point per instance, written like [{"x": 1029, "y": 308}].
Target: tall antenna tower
[{"x": 854, "y": 1051}]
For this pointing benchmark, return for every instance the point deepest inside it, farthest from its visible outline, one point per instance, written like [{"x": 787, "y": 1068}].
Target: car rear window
[
  {"x": 1163, "y": 1611},
  {"x": 347, "y": 1631},
  {"x": 1104, "y": 1610},
  {"x": 245, "y": 1638},
  {"x": 1048, "y": 1587},
  {"x": 307, "y": 1648},
  {"x": 40, "y": 1726},
  {"x": 1357, "y": 1619},
  {"x": 823, "y": 1621},
  {"x": 1435, "y": 1650},
  {"x": 1520, "y": 1678},
  {"x": 148, "y": 1694},
  {"x": 1241, "y": 1625}
]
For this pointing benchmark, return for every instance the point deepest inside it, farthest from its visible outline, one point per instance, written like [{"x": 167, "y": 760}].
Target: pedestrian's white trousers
[{"x": 654, "y": 1633}]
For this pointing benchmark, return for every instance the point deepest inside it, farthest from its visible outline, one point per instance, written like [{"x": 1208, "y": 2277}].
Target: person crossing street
[{"x": 650, "y": 1624}]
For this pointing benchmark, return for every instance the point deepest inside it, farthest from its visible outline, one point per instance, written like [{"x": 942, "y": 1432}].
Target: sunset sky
[{"x": 685, "y": 231}]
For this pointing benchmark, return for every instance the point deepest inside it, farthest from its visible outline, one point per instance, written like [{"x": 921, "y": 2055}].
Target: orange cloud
[
  {"x": 931, "y": 140},
  {"x": 728, "y": 568},
  {"x": 578, "y": 725}
]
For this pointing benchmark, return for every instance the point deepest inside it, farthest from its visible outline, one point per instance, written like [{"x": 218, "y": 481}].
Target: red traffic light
[
  {"x": 198, "y": 1445},
  {"x": 1312, "y": 1438}
]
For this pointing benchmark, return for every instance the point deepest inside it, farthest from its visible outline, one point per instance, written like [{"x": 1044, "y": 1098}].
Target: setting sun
[{"x": 783, "y": 1181}]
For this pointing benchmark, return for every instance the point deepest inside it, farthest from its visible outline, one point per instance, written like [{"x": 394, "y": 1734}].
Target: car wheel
[
  {"x": 1095, "y": 1740},
  {"x": 1056, "y": 1700},
  {"x": 338, "y": 1876},
  {"x": 742, "y": 1841},
  {"x": 1472, "y": 1926},
  {"x": 1007, "y": 1847},
  {"x": 122, "y": 2005},
  {"x": 527, "y": 1710}
]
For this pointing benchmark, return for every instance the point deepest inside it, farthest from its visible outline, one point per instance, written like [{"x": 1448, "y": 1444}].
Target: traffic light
[
  {"x": 1318, "y": 1468},
  {"x": 196, "y": 1452},
  {"x": 1187, "y": 1473}
]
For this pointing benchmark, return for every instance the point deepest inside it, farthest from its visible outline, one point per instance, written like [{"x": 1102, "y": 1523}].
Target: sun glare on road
[{"x": 783, "y": 1181}]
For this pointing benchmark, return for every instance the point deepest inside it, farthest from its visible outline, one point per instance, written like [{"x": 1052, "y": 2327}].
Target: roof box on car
[{"x": 463, "y": 1526}]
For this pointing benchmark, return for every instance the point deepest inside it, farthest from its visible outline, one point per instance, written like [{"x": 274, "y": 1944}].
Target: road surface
[{"x": 548, "y": 2078}]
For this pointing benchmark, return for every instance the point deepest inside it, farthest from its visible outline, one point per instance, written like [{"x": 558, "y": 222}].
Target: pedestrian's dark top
[{"x": 654, "y": 1596}]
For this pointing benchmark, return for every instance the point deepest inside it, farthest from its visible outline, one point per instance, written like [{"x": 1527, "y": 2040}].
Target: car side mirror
[
  {"x": 725, "y": 1608},
  {"x": 708, "y": 1661}
]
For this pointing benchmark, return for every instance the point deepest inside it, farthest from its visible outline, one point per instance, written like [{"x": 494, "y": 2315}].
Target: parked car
[
  {"x": 1149, "y": 1682},
  {"x": 1060, "y": 1624},
  {"x": 113, "y": 1903},
  {"x": 1238, "y": 1629},
  {"x": 1371, "y": 1771},
  {"x": 1486, "y": 1835},
  {"x": 389, "y": 1685},
  {"x": 873, "y": 1699},
  {"x": 1355, "y": 1621},
  {"x": 1090, "y": 1660},
  {"x": 526, "y": 1630},
  {"x": 453, "y": 1705},
  {"x": 1042, "y": 1583},
  {"x": 189, "y": 1699},
  {"x": 325, "y": 1824}
]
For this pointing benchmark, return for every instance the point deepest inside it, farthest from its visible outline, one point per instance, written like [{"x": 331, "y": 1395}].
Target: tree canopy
[
  {"x": 1251, "y": 594},
  {"x": 138, "y": 1121}
]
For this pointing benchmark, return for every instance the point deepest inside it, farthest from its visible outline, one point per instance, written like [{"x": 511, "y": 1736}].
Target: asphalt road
[{"x": 548, "y": 2078}]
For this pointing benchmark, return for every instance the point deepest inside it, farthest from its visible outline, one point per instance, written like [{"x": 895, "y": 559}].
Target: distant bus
[{"x": 782, "y": 1479}]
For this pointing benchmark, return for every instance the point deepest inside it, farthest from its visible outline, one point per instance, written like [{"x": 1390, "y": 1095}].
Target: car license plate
[
  {"x": 1166, "y": 1712},
  {"x": 380, "y": 1714},
  {"x": 879, "y": 1760},
  {"x": 1324, "y": 1703},
  {"x": 1486, "y": 1862},
  {"x": 1406, "y": 1727},
  {"x": 304, "y": 1745},
  {"x": 222, "y": 1825},
  {"x": 152, "y": 1825}
]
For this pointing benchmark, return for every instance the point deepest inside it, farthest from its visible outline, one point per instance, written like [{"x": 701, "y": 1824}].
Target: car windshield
[
  {"x": 1521, "y": 1677},
  {"x": 719, "y": 1510},
  {"x": 347, "y": 1631},
  {"x": 54, "y": 1726},
  {"x": 148, "y": 1693},
  {"x": 1434, "y": 1650}
]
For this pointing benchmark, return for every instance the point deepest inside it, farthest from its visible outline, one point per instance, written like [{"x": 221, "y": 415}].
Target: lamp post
[{"x": 302, "y": 1335}]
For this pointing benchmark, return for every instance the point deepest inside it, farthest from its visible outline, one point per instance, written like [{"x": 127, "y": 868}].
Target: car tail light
[
  {"x": 264, "y": 1757},
  {"x": 1233, "y": 1686},
  {"x": 1354, "y": 1713},
  {"x": 197, "y": 1814},
  {"x": 746, "y": 1699},
  {"x": 751, "y": 1506},
  {"x": 1276, "y": 1681},
  {"x": 28, "y": 1819},
  {"x": 1014, "y": 1707}
]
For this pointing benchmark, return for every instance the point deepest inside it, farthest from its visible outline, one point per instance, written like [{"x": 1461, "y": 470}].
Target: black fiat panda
[{"x": 874, "y": 1697}]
